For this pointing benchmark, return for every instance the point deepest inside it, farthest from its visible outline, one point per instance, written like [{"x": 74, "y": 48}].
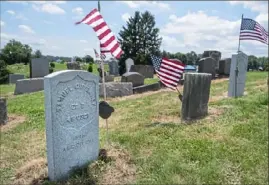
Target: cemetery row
[{"x": 72, "y": 109}]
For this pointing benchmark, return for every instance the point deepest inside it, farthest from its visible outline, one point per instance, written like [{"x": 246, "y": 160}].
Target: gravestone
[
  {"x": 128, "y": 63},
  {"x": 109, "y": 78},
  {"x": 14, "y": 77},
  {"x": 113, "y": 68},
  {"x": 224, "y": 66},
  {"x": 29, "y": 85},
  {"x": 207, "y": 65},
  {"x": 116, "y": 89},
  {"x": 3, "y": 111},
  {"x": 146, "y": 88},
  {"x": 73, "y": 65},
  {"x": 39, "y": 67},
  {"x": 72, "y": 121},
  {"x": 134, "y": 77},
  {"x": 239, "y": 84},
  {"x": 146, "y": 70},
  {"x": 195, "y": 96},
  {"x": 216, "y": 55}
]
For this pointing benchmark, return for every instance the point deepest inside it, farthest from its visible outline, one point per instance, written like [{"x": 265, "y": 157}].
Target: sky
[{"x": 184, "y": 25}]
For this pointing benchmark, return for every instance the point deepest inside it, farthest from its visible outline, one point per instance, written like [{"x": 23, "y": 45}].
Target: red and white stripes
[{"x": 108, "y": 41}]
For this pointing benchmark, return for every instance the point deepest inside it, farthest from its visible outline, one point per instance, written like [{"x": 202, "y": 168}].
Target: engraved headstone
[
  {"x": 113, "y": 68},
  {"x": 128, "y": 63},
  {"x": 39, "y": 67},
  {"x": 238, "y": 85},
  {"x": 72, "y": 121}
]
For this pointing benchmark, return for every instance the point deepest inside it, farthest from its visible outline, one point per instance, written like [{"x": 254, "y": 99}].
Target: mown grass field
[{"x": 229, "y": 146}]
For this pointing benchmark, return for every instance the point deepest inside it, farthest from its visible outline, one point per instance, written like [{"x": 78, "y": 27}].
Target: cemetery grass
[{"x": 229, "y": 146}]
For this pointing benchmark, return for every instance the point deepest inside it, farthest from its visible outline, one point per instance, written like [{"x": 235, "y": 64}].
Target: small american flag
[
  {"x": 108, "y": 42},
  {"x": 96, "y": 54},
  {"x": 169, "y": 71},
  {"x": 252, "y": 30}
]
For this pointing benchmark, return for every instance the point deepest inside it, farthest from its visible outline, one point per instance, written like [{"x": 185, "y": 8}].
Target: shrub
[
  {"x": 4, "y": 72},
  {"x": 51, "y": 70},
  {"x": 52, "y": 65},
  {"x": 90, "y": 68}
]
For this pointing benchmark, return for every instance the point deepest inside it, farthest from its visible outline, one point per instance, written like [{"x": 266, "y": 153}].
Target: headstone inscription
[
  {"x": 72, "y": 121},
  {"x": 236, "y": 87}
]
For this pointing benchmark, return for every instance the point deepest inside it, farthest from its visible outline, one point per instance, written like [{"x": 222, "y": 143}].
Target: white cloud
[
  {"x": 48, "y": 8},
  {"x": 77, "y": 10},
  {"x": 83, "y": 41},
  {"x": 21, "y": 17},
  {"x": 19, "y": 2},
  {"x": 149, "y": 4},
  {"x": 26, "y": 29},
  {"x": 255, "y": 6},
  {"x": 2, "y": 23},
  {"x": 262, "y": 18},
  {"x": 7, "y": 37},
  {"x": 125, "y": 16},
  {"x": 11, "y": 12}
]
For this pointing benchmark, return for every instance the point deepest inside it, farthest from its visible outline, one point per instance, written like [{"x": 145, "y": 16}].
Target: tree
[
  {"x": 4, "y": 72},
  {"x": 88, "y": 59},
  {"x": 38, "y": 54},
  {"x": 191, "y": 58},
  {"x": 16, "y": 52},
  {"x": 78, "y": 59},
  {"x": 139, "y": 39}
]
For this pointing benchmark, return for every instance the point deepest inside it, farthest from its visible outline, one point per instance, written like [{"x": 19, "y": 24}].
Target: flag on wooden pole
[{"x": 108, "y": 42}]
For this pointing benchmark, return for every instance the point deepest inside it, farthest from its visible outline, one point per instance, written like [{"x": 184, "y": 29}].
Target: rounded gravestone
[
  {"x": 3, "y": 111},
  {"x": 134, "y": 77}
]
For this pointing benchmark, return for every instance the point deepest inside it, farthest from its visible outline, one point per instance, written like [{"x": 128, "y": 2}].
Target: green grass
[{"x": 230, "y": 146}]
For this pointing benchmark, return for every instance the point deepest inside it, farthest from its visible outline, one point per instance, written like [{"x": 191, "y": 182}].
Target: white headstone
[
  {"x": 241, "y": 78},
  {"x": 128, "y": 63},
  {"x": 72, "y": 121}
]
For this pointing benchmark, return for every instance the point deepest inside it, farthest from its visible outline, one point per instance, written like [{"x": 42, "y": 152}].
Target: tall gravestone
[
  {"x": 224, "y": 66},
  {"x": 195, "y": 95},
  {"x": 113, "y": 68},
  {"x": 146, "y": 70},
  {"x": 236, "y": 87},
  {"x": 216, "y": 55},
  {"x": 207, "y": 65},
  {"x": 128, "y": 63},
  {"x": 72, "y": 121},
  {"x": 39, "y": 67}
]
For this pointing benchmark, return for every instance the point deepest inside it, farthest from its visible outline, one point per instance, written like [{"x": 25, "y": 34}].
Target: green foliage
[
  {"x": 16, "y": 52},
  {"x": 52, "y": 64},
  {"x": 139, "y": 39},
  {"x": 38, "y": 54},
  {"x": 4, "y": 72},
  {"x": 78, "y": 59},
  {"x": 90, "y": 69},
  {"x": 88, "y": 59}
]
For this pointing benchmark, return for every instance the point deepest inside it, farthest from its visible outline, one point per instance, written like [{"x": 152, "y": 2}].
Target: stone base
[
  {"x": 109, "y": 78},
  {"x": 29, "y": 85},
  {"x": 116, "y": 89},
  {"x": 145, "y": 88}
]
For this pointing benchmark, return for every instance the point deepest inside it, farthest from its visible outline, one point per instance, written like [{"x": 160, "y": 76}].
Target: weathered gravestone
[
  {"x": 216, "y": 55},
  {"x": 134, "y": 77},
  {"x": 3, "y": 111},
  {"x": 195, "y": 96},
  {"x": 224, "y": 66},
  {"x": 239, "y": 85},
  {"x": 113, "y": 68},
  {"x": 207, "y": 65},
  {"x": 72, "y": 121},
  {"x": 116, "y": 89},
  {"x": 39, "y": 67},
  {"x": 128, "y": 63},
  {"x": 146, "y": 70},
  {"x": 14, "y": 77},
  {"x": 73, "y": 65},
  {"x": 29, "y": 85}
]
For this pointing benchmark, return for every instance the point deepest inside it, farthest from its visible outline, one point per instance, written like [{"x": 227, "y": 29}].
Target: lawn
[{"x": 229, "y": 146}]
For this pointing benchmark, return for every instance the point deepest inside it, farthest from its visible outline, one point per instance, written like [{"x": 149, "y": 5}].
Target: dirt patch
[
  {"x": 219, "y": 80},
  {"x": 165, "y": 119},
  {"x": 13, "y": 121},
  {"x": 214, "y": 113},
  {"x": 220, "y": 97},
  {"x": 121, "y": 170},
  {"x": 32, "y": 173}
]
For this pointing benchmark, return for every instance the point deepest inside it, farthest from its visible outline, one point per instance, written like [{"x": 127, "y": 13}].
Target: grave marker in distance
[{"x": 72, "y": 121}]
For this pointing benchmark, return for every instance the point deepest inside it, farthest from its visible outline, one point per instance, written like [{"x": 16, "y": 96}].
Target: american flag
[
  {"x": 169, "y": 71},
  {"x": 252, "y": 30},
  {"x": 96, "y": 54},
  {"x": 108, "y": 42}
]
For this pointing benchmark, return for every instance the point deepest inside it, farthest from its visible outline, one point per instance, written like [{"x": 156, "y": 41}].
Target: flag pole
[
  {"x": 103, "y": 77},
  {"x": 236, "y": 68}
]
